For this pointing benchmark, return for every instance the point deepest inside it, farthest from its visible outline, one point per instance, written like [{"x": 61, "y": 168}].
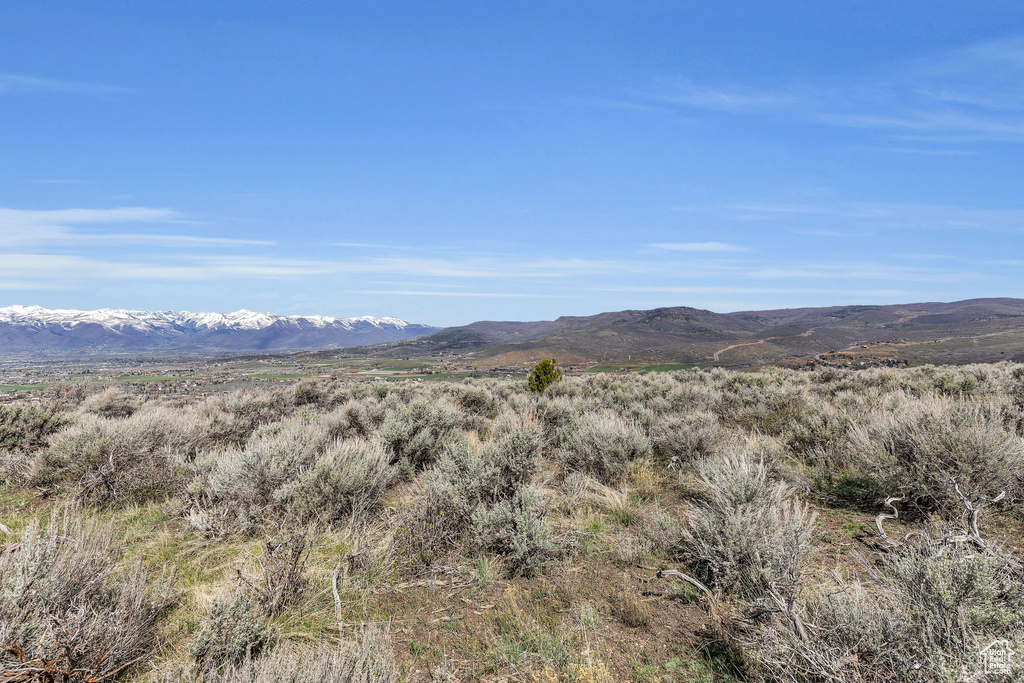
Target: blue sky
[{"x": 456, "y": 161}]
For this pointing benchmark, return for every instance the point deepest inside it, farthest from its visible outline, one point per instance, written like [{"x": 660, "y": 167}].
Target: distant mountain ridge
[
  {"x": 27, "y": 329},
  {"x": 973, "y": 330}
]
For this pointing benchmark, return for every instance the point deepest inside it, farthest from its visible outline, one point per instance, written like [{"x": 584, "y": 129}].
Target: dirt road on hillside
[{"x": 759, "y": 341}]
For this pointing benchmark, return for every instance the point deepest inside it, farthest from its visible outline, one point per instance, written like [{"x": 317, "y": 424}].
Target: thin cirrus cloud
[
  {"x": 29, "y": 267},
  {"x": 970, "y": 94},
  {"x": 27, "y": 227},
  {"x": 442, "y": 272},
  {"x": 15, "y": 84},
  {"x": 165, "y": 240},
  {"x": 18, "y": 286},
  {"x": 881, "y": 293},
  {"x": 866, "y": 272},
  {"x": 732, "y": 98},
  {"x": 858, "y": 219},
  {"x": 697, "y": 246},
  {"x": 486, "y": 295}
]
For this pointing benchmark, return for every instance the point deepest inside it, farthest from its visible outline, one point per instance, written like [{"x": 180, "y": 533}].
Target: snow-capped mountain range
[{"x": 33, "y": 328}]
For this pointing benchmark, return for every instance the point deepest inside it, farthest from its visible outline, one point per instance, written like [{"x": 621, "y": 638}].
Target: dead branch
[
  {"x": 692, "y": 581},
  {"x": 974, "y": 509},
  {"x": 337, "y": 599},
  {"x": 884, "y": 516},
  {"x": 281, "y": 573}
]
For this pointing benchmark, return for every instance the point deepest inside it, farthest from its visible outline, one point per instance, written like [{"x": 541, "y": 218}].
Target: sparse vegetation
[{"x": 356, "y": 531}]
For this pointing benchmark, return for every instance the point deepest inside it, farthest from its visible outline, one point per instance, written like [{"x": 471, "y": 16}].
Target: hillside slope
[{"x": 974, "y": 330}]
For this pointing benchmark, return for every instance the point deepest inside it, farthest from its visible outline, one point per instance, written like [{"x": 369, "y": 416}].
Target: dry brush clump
[
  {"x": 684, "y": 437},
  {"x": 70, "y": 611},
  {"x": 288, "y": 470},
  {"x": 234, "y": 631},
  {"x": 130, "y": 458},
  {"x": 280, "y": 577},
  {"x": 229, "y": 420},
  {"x": 24, "y": 429},
  {"x": 927, "y": 607},
  {"x": 748, "y": 534},
  {"x": 482, "y": 496},
  {"x": 601, "y": 444},
  {"x": 367, "y": 658},
  {"x": 927, "y": 446},
  {"x": 111, "y": 403},
  {"x": 418, "y": 433}
]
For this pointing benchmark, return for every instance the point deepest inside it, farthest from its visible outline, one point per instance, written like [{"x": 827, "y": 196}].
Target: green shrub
[
  {"x": 543, "y": 375},
  {"x": 956, "y": 384}
]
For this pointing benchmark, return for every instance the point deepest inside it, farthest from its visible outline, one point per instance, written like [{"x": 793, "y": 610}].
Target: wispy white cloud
[
  {"x": 865, "y": 272},
  {"x": 48, "y": 267},
  {"x": 929, "y": 151},
  {"x": 498, "y": 267},
  {"x": 213, "y": 267},
  {"x": 975, "y": 93},
  {"x": 165, "y": 240},
  {"x": 766, "y": 291},
  {"x": 697, "y": 246},
  {"x": 119, "y": 214},
  {"x": 700, "y": 290},
  {"x": 732, "y": 98},
  {"x": 432, "y": 275},
  {"x": 859, "y": 219},
  {"x": 487, "y": 295},
  {"x": 27, "y": 227},
  {"x": 18, "y": 286},
  {"x": 20, "y": 83},
  {"x": 378, "y": 246}
]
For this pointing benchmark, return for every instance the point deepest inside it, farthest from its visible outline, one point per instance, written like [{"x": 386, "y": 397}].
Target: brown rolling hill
[{"x": 974, "y": 330}]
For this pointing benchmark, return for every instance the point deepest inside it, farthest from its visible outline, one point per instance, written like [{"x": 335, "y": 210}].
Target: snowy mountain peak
[
  {"x": 241, "y": 329},
  {"x": 242, "y": 318}
]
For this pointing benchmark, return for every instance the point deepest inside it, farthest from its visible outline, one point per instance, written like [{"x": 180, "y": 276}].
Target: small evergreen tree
[{"x": 543, "y": 374}]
